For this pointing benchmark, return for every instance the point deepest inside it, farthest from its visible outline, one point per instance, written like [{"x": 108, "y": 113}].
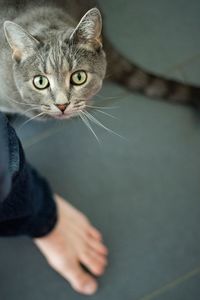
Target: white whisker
[
  {"x": 32, "y": 108},
  {"x": 109, "y": 115},
  {"x": 86, "y": 122},
  {"x": 29, "y": 120},
  {"x": 22, "y": 103},
  {"x": 102, "y": 107},
  {"x": 97, "y": 122}
]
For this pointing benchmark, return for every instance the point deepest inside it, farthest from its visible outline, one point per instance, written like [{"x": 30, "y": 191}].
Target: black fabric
[{"x": 27, "y": 206}]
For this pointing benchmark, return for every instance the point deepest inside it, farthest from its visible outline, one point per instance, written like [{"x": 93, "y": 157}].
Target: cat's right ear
[{"x": 21, "y": 42}]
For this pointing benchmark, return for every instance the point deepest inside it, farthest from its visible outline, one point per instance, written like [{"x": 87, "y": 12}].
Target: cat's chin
[{"x": 64, "y": 116}]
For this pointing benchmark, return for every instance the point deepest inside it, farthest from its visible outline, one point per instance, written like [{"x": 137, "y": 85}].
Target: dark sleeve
[{"x": 27, "y": 206}]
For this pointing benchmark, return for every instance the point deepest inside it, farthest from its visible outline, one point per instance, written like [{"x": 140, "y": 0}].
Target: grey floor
[{"x": 142, "y": 191}]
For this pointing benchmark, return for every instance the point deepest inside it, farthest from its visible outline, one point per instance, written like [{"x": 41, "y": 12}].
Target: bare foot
[{"x": 73, "y": 241}]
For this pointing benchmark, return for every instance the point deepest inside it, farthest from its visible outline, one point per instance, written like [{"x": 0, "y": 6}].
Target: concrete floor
[{"x": 142, "y": 191}]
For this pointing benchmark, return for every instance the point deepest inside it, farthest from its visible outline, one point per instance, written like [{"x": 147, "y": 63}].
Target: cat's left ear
[
  {"x": 89, "y": 28},
  {"x": 22, "y": 43}
]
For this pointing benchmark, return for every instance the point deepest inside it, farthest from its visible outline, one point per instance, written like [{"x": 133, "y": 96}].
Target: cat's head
[{"x": 61, "y": 73}]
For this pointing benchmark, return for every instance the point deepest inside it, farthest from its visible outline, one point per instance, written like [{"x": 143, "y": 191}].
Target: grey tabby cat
[{"x": 52, "y": 61}]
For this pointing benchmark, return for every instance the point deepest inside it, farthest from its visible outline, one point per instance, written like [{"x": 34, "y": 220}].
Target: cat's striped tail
[{"x": 136, "y": 79}]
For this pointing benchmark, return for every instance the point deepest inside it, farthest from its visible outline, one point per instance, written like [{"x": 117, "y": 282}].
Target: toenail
[{"x": 90, "y": 288}]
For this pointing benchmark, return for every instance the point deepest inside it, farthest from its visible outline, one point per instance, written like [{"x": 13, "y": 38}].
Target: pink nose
[{"x": 62, "y": 107}]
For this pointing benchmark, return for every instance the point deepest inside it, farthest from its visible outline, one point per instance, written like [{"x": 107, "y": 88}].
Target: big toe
[{"x": 80, "y": 281}]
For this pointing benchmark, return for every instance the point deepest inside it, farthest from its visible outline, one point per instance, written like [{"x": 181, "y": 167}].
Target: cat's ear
[
  {"x": 22, "y": 43},
  {"x": 89, "y": 27}
]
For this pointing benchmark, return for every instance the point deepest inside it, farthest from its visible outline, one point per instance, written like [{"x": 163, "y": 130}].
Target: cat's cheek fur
[{"x": 86, "y": 93}]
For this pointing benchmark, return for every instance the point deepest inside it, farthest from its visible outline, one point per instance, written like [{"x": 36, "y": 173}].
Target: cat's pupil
[
  {"x": 79, "y": 76},
  {"x": 40, "y": 80}
]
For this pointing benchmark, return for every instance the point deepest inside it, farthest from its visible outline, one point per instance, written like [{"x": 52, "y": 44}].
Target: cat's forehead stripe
[{"x": 55, "y": 62}]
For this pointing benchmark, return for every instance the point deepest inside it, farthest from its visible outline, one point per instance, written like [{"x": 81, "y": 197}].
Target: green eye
[
  {"x": 41, "y": 82},
  {"x": 78, "y": 78}
]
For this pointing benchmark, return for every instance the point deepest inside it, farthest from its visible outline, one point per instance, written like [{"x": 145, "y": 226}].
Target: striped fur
[{"x": 137, "y": 79}]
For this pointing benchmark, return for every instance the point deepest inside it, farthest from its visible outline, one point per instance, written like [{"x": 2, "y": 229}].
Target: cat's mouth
[{"x": 66, "y": 114}]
